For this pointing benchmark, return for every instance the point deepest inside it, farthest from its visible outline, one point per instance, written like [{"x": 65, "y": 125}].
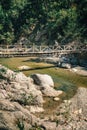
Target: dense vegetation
[{"x": 61, "y": 20}]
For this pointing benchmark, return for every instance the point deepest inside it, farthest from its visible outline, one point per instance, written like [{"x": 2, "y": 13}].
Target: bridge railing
[{"x": 44, "y": 49}]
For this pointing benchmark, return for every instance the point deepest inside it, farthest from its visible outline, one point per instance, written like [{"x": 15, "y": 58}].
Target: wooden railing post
[
  {"x": 33, "y": 47},
  {"x": 40, "y": 48}
]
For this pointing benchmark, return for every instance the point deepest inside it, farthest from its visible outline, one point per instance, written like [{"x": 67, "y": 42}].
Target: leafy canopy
[{"x": 64, "y": 20}]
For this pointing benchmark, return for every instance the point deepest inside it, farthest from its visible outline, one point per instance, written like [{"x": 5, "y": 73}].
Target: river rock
[
  {"x": 80, "y": 70},
  {"x": 79, "y": 101},
  {"x": 51, "y": 92},
  {"x": 46, "y": 84},
  {"x": 64, "y": 65},
  {"x": 56, "y": 99},
  {"x": 20, "y": 88},
  {"x": 41, "y": 79}
]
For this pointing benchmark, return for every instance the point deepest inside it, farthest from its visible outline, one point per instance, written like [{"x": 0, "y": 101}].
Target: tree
[
  {"x": 82, "y": 18},
  {"x": 64, "y": 21}
]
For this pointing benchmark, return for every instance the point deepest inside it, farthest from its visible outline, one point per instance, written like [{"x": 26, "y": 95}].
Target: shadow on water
[
  {"x": 37, "y": 68},
  {"x": 32, "y": 60}
]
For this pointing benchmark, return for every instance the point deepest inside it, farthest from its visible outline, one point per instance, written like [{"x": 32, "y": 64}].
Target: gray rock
[
  {"x": 20, "y": 97},
  {"x": 41, "y": 79},
  {"x": 64, "y": 65},
  {"x": 73, "y": 112},
  {"x": 79, "y": 101},
  {"x": 80, "y": 70},
  {"x": 51, "y": 92},
  {"x": 46, "y": 84},
  {"x": 20, "y": 88}
]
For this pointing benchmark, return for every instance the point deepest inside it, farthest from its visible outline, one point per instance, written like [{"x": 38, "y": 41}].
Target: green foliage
[
  {"x": 82, "y": 17},
  {"x": 64, "y": 20},
  {"x": 35, "y": 127},
  {"x": 28, "y": 99},
  {"x": 2, "y": 70},
  {"x": 20, "y": 124}
]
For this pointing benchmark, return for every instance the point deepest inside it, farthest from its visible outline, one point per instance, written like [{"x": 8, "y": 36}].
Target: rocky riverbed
[{"x": 21, "y": 97}]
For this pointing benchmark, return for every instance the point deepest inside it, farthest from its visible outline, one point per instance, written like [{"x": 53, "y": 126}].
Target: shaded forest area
[{"x": 43, "y": 21}]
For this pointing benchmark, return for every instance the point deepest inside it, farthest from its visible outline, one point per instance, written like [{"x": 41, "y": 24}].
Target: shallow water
[{"x": 64, "y": 79}]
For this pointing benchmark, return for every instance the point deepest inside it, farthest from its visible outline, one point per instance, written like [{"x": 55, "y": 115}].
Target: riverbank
[
  {"x": 79, "y": 70},
  {"x": 23, "y": 97}
]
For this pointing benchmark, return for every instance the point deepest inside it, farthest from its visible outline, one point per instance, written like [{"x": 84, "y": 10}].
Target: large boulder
[
  {"x": 42, "y": 79},
  {"x": 20, "y": 88},
  {"x": 72, "y": 113},
  {"x": 13, "y": 114},
  {"x": 21, "y": 96},
  {"x": 45, "y": 84},
  {"x": 79, "y": 101}
]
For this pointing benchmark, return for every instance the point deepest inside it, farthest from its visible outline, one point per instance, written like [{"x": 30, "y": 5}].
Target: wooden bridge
[{"x": 34, "y": 50}]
